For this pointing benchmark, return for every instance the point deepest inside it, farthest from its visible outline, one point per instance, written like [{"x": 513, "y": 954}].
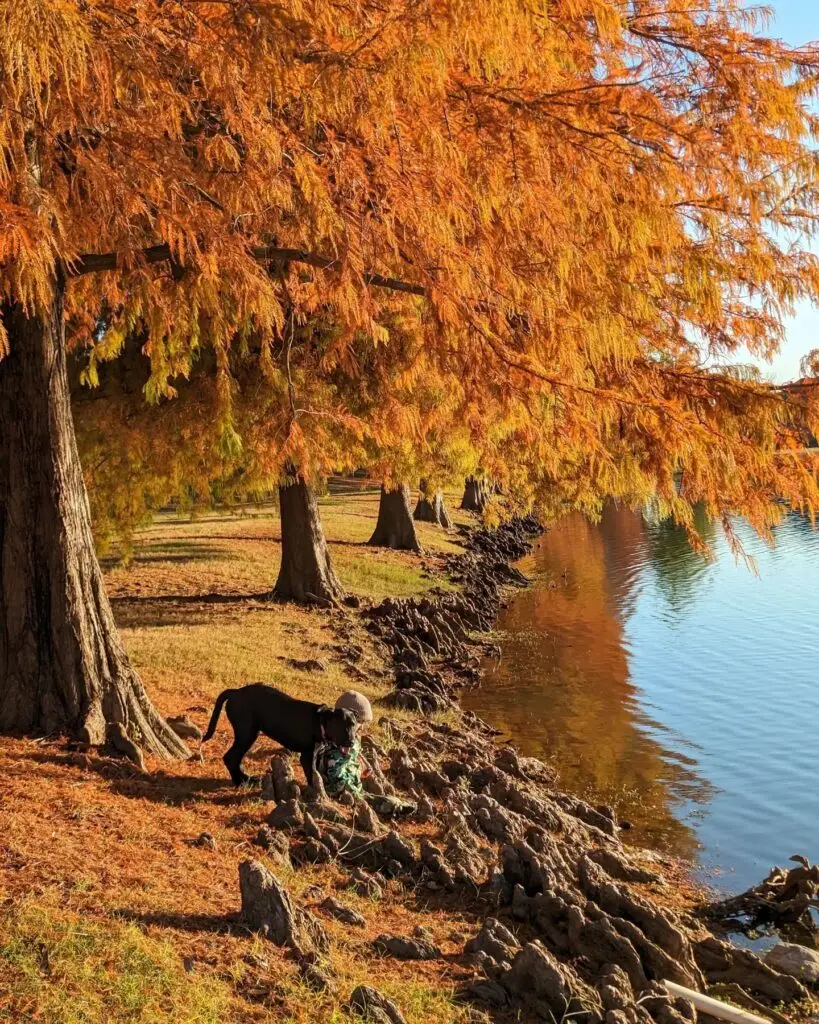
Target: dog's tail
[{"x": 217, "y": 710}]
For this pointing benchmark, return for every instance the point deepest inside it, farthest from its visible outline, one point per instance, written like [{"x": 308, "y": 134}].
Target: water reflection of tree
[
  {"x": 678, "y": 569},
  {"x": 563, "y": 689}
]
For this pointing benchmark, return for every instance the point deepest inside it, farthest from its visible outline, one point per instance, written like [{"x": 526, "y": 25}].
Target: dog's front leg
[{"x": 308, "y": 764}]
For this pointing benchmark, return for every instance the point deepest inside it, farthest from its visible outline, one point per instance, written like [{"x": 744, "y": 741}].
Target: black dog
[{"x": 298, "y": 725}]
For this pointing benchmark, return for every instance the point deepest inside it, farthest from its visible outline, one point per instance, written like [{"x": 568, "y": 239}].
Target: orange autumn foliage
[{"x": 581, "y": 208}]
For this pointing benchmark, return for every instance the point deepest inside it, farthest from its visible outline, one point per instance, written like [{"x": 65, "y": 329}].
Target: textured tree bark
[
  {"x": 395, "y": 527},
  {"x": 306, "y": 574},
  {"x": 475, "y": 495},
  {"x": 63, "y": 668},
  {"x": 431, "y": 508}
]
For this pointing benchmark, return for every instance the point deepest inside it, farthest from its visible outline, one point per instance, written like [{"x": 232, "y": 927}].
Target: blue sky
[{"x": 797, "y": 22}]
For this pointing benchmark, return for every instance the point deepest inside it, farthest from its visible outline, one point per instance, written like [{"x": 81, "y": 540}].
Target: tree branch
[{"x": 90, "y": 263}]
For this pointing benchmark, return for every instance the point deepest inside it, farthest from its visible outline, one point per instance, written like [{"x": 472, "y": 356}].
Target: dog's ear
[{"x": 323, "y": 712}]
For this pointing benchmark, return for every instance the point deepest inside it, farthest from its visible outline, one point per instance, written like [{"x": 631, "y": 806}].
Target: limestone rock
[{"x": 268, "y": 908}]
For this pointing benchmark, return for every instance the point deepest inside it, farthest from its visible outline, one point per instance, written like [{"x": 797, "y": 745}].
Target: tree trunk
[
  {"x": 306, "y": 574},
  {"x": 475, "y": 495},
  {"x": 63, "y": 668},
  {"x": 395, "y": 527},
  {"x": 431, "y": 509}
]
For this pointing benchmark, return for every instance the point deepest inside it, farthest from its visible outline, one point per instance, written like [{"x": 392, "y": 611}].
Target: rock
[
  {"x": 404, "y": 947},
  {"x": 551, "y": 989},
  {"x": 185, "y": 728},
  {"x": 267, "y": 908},
  {"x": 797, "y": 961},
  {"x": 284, "y": 782},
  {"x": 368, "y": 1002},
  {"x": 288, "y": 814},
  {"x": 341, "y": 912},
  {"x": 205, "y": 840},
  {"x": 365, "y": 819}
]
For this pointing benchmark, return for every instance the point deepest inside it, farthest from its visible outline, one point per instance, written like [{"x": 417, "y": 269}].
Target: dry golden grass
[{"x": 108, "y": 911}]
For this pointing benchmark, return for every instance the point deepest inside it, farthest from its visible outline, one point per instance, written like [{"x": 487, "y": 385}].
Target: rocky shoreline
[{"x": 572, "y": 922}]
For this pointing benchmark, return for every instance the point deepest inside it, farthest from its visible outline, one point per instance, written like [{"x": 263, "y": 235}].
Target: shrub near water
[{"x": 57, "y": 968}]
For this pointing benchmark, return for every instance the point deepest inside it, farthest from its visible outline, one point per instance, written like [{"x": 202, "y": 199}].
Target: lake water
[{"x": 684, "y": 692}]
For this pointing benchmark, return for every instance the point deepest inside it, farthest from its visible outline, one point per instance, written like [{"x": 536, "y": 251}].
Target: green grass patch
[{"x": 58, "y": 968}]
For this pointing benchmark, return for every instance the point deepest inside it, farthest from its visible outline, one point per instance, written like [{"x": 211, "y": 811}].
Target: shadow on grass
[
  {"x": 223, "y": 924},
  {"x": 159, "y": 786},
  {"x": 211, "y": 597}
]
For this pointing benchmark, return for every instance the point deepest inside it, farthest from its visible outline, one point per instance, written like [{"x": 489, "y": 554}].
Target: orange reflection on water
[{"x": 563, "y": 689}]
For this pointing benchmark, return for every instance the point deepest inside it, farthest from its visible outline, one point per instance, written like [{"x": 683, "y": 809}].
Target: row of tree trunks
[{"x": 63, "y": 668}]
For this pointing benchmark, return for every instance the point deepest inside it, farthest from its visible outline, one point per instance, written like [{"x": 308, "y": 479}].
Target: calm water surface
[{"x": 683, "y": 691}]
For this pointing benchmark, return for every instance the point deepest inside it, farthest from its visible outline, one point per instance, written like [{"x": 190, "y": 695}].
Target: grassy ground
[{"x": 108, "y": 909}]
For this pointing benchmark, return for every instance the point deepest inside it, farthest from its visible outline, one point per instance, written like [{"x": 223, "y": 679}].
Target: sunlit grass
[{"x": 58, "y": 968}]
